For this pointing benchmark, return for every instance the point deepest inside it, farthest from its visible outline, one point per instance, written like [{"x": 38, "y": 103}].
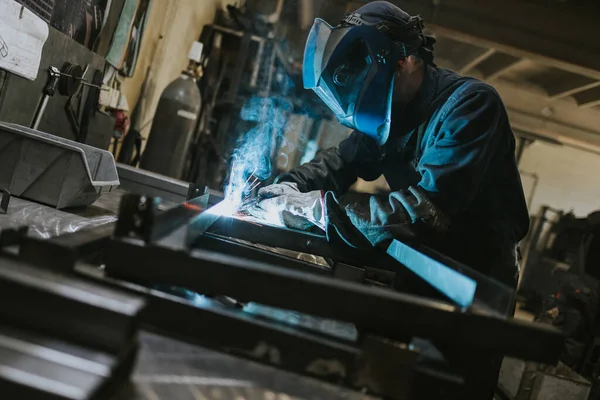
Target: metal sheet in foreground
[
  {"x": 458, "y": 287},
  {"x": 453, "y": 278}
]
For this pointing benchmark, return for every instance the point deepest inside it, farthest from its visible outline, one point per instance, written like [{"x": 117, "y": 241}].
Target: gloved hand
[
  {"x": 379, "y": 218},
  {"x": 283, "y": 204},
  {"x": 420, "y": 208}
]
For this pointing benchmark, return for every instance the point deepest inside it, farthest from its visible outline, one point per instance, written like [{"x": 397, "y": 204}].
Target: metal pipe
[
  {"x": 237, "y": 33},
  {"x": 521, "y": 146},
  {"x": 39, "y": 112},
  {"x": 257, "y": 63},
  {"x": 536, "y": 180}
]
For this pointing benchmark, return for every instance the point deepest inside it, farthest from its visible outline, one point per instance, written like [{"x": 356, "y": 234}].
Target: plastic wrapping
[{"x": 45, "y": 222}]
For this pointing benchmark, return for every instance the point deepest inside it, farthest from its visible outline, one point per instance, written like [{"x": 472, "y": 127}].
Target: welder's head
[{"x": 354, "y": 66}]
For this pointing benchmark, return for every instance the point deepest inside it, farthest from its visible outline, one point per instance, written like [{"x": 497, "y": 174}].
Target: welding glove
[
  {"x": 364, "y": 220},
  {"x": 283, "y": 204}
]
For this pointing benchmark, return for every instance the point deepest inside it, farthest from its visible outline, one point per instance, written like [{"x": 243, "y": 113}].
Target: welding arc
[
  {"x": 253, "y": 182},
  {"x": 255, "y": 186},
  {"x": 252, "y": 174}
]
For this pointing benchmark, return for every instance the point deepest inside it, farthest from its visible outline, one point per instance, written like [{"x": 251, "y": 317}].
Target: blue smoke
[{"x": 255, "y": 150}]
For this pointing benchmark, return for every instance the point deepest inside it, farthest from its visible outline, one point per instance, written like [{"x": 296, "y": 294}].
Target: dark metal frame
[
  {"x": 85, "y": 317},
  {"x": 214, "y": 273},
  {"x": 353, "y": 364},
  {"x": 372, "y": 266},
  {"x": 151, "y": 248},
  {"x": 213, "y": 325},
  {"x": 488, "y": 292}
]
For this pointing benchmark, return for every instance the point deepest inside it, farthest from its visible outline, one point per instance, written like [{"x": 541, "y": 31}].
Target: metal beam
[
  {"x": 67, "y": 307},
  {"x": 563, "y": 120},
  {"x": 265, "y": 335},
  {"x": 139, "y": 181},
  {"x": 555, "y": 131},
  {"x": 461, "y": 284},
  {"x": 551, "y": 34},
  {"x": 563, "y": 88},
  {"x": 476, "y": 61},
  {"x": 469, "y": 36},
  {"x": 228, "y": 246},
  {"x": 397, "y": 316},
  {"x": 210, "y": 324},
  {"x": 459, "y": 54},
  {"x": 497, "y": 64},
  {"x": 291, "y": 239},
  {"x": 588, "y": 98}
]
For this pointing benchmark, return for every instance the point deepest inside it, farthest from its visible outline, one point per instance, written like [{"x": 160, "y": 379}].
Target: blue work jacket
[{"x": 454, "y": 142}]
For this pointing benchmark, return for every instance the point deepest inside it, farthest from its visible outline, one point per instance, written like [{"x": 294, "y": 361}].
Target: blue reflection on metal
[
  {"x": 456, "y": 286},
  {"x": 337, "y": 329}
]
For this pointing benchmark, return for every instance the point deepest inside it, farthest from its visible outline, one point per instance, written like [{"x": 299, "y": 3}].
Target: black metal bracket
[
  {"x": 195, "y": 190},
  {"x": 4, "y": 201},
  {"x": 136, "y": 217},
  {"x": 13, "y": 236}
]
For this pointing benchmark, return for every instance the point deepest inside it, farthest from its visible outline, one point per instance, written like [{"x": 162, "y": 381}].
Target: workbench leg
[{"x": 482, "y": 383}]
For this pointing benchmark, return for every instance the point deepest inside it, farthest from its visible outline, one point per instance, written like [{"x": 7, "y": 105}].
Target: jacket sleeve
[
  {"x": 337, "y": 169},
  {"x": 452, "y": 169}
]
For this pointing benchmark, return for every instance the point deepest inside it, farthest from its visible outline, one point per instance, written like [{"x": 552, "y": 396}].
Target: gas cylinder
[{"x": 174, "y": 122}]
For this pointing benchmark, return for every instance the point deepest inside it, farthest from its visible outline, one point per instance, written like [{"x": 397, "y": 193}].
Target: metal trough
[{"x": 51, "y": 170}]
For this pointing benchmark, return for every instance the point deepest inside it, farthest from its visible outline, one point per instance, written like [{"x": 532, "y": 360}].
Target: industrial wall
[
  {"x": 19, "y": 97},
  {"x": 172, "y": 28},
  {"x": 568, "y": 178}
]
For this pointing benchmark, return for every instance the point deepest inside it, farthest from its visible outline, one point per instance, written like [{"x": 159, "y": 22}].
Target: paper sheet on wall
[{"x": 22, "y": 38}]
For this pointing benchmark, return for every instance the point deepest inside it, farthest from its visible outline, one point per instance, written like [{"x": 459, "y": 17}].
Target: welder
[{"x": 442, "y": 141}]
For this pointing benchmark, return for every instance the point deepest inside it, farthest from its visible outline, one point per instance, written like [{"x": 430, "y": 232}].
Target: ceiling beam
[
  {"x": 532, "y": 136},
  {"x": 588, "y": 98},
  {"x": 559, "y": 89},
  {"x": 497, "y": 64},
  {"x": 460, "y": 54},
  {"x": 476, "y": 61},
  {"x": 565, "y": 38},
  {"x": 563, "y": 111},
  {"x": 554, "y": 131},
  {"x": 517, "y": 52}
]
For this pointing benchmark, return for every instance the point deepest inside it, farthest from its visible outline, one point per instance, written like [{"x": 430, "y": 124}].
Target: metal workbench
[
  {"x": 223, "y": 283},
  {"x": 167, "y": 368}
]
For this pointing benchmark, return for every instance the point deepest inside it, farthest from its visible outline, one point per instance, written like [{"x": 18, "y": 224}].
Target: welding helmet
[{"x": 352, "y": 67}]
